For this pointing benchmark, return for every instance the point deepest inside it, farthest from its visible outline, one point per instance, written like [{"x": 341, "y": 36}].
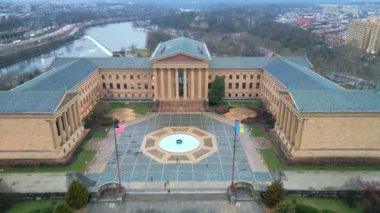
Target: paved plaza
[{"x": 137, "y": 167}]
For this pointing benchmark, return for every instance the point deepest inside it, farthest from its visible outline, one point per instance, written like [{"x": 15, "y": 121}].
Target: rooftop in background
[{"x": 182, "y": 45}]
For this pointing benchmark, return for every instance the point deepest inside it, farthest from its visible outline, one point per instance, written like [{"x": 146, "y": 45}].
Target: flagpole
[
  {"x": 117, "y": 157},
  {"x": 233, "y": 161}
]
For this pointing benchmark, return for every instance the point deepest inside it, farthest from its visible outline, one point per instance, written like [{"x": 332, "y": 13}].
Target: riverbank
[{"x": 28, "y": 52}]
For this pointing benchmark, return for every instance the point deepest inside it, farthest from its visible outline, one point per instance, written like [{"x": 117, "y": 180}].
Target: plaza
[{"x": 136, "y": 167}]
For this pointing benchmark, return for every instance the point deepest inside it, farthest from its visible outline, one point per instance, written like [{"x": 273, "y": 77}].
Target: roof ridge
[{"x": 43, "y": 75}]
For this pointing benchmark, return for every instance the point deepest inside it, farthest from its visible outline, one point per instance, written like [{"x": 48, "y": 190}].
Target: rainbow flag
[{"x": 240, "y": 128}]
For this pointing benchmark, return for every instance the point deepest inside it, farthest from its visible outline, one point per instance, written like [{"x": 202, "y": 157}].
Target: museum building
[{"x": 42, "y": 120}]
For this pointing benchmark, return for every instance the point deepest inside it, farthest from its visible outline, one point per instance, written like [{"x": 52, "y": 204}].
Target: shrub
[
  {"x": 221, "y": 110},
  {"x": 326, "y": 211},
  {"x": 274, "y": 194},
  {"x": 284, "y": 207},
  {"x": 77, "y": 195},
  {"x": 249, "y": 121},
  {"x": 301, "y": 208},
  {"x": 62, "y": 207}
]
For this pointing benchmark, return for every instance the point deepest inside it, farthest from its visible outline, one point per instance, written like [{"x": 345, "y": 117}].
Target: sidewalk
[{"x": 58, "y": 182}]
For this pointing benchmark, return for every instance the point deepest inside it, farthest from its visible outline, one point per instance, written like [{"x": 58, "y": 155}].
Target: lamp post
[
  {"x": 232, "y": 187},
  {"x": 117, "y": 157}
]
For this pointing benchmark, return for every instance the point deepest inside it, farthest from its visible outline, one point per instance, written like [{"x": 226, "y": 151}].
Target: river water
[{"x": 112, "y": 36}]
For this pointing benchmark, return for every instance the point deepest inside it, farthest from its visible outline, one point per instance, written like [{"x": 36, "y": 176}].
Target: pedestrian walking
[
  {"x": 169, "y": 191},
  {"x": 167, "y": 182},
  {"x": 165, "y": 185},
  {"x": 151, "y": 178}
]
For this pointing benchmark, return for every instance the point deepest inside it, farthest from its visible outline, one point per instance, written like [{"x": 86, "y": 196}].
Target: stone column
[
  {"x": 285, "y": 120},
  {"x": 71, "y": 120},
  {"x": 54, "y": 132},
  {"x": 283, "y": 116},
  {"x": 199, "y": 83},
  {"x": 293, "y": 129},
  {"x": 74, "y": 116},
  {"x": 278, "y": 115},
  {"x": 170, "y": 83},
  {"x": 192, "y": 79},
  {"x": 67, "y": 129},
  {"x": 290, "y": 120},
  {"x": 298, "y": 136},
  {"x": 176, "y": 84},
  {"x": 206, "y": 83},
  {"x": 60, "y": 127},
  {"x": 185, "y": 84},
  {"x": 162, "y": 83},
  {"x": 78, "y": 112},
  {"x": 155, "y": 84}
]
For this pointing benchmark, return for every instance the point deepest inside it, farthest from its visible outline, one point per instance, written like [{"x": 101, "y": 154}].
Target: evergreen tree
[
  {"x": 274, "y": 194},
  {"x": 77, "y": 195},
  {"x": 217, "y": 88}
]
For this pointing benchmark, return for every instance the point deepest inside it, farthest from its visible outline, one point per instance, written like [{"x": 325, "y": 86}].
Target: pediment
[{"x": 181, "y": 57}]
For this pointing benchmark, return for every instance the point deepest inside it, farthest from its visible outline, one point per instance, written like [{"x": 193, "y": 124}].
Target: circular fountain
[{"x": 179, "y": 143}]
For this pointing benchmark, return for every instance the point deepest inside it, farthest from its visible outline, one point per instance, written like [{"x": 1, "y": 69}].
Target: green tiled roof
[
  {"x": 238, "y": 62},
  {"x": 30, "y": 101},
  {"x": 336, "y": 101},
  {"x": 181, "y": 45},
  {"x": 296, "y": 77},
  {"x": 61, "y": 78}
]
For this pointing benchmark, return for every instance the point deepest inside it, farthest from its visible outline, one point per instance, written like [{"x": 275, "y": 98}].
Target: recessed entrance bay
[{"x": 169, "y": 143}]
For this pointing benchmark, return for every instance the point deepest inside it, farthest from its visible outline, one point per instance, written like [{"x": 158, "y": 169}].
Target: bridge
[{"x": 101, "y": 47}]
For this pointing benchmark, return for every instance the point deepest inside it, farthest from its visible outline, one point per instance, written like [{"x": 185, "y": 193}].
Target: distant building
[
  {"x": 341, "y": 9},
  {"x": 364, "y": 34}
]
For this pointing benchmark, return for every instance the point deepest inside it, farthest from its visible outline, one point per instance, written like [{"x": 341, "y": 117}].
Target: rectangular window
[
  {"x": 118, "y": 86},
  {"x": 104, "y": 86},
  {"x": 236, "y": 85},
  {"x": 109, "y": 76},
  {"x": 258, "y": 76},
  {"x": 251, "y": 77},
  {"x": 138, "y": 76},
  {"x": 257, "y": 85},
  {"x": 250, "y": 85},
  {"x": 132, "y": 86},
  {"x": 131, "y": 77},
  {"x": 124, "y": 77},
  {"x": 230, "y": 76},
  {"x": 117, "y": 76},
  {"x": 237, "y": 76},
  {"x": 243, "y": 86},
  {"x": 209, "y": 77},
  {"x": 125, "y": 86},
  {"x": 146, "y": 86},
  {"x": 111, "y": 86},
  {"x": 229, "y": 85},
  {"x": 103, "y": 77},
  {"x": 138, "y": 85},
  {"x": 244, "y": 77}
]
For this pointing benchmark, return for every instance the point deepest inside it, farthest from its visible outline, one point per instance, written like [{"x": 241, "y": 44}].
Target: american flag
[{"x": 120, "y": 128}]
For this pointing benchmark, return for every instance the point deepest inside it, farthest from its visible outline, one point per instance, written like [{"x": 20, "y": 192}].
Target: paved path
[{"x": 58, "y": 182}]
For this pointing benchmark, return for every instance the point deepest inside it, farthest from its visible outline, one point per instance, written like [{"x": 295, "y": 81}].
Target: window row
[
  {"x": 243, "y": 95},
  {"x": 124, "y": 95},
  {"x": 131, "y": 77},
  {"x": 243, "y": 86},
  {"x": 126, "y": 86}
]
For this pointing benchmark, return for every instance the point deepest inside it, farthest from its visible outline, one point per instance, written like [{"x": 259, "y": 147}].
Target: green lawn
[
  {"x": 76, "y": 165},
  {"x": 274, "y": 164},
  {"x": 253, "y": 104},
  {"x": 257, "y": 130},
  {"x": 140, "y": 108},
  {"x": 333, "y": 204},
  {"x": 33, "y": 206},
  {"x": 100, "y": 133}
]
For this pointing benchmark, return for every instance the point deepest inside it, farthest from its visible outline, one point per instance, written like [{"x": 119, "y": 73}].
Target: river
[{"x": 112, "y": 36}]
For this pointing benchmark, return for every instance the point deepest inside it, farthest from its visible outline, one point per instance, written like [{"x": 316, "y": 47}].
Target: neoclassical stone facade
[{"x": 42, "y": 120}]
